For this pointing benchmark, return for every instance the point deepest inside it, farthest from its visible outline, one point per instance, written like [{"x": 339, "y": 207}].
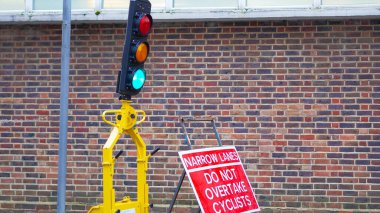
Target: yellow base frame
[{"x": 126, "y": 122}]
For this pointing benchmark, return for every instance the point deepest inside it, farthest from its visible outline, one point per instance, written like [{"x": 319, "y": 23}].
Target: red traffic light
[{"x": 144, "y": 24}]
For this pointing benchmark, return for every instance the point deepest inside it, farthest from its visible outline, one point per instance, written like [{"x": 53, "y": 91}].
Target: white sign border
[{"x": 181, "y": 153}]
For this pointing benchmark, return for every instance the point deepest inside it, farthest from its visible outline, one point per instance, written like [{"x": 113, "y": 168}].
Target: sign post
[{"x": 219, "y": 180}]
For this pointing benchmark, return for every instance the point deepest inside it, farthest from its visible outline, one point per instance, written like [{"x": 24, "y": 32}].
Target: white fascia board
[
  {"x": 180, "y": 15},
  {"x": 269, "y": 14}
]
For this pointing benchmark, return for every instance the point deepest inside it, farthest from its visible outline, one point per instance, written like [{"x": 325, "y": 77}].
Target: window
[
  {"x": 58, "y": 4},
  {"x": 158, "y": 3},
  {"x": 349, "y": 2},
  {"x": 124, "y": 4},
  {"x": 12, "y": 5},
  {"x": 115, "y": 4},
  {"x": 277, "y": 3},
  {"x": 205, "y": 3}
]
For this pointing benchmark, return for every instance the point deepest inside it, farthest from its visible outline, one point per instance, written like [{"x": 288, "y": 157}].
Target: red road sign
[{"x": 219, "y": 180}]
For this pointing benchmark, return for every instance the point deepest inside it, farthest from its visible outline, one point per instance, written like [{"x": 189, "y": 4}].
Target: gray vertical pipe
[{"x": 64, "y": 103}]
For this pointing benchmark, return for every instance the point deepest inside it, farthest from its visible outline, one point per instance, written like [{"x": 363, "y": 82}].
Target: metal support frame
[
  {"x": 64, "y": 105},
  {"x": 188, "y": 141},
  {"x": 126, "y": 123}
]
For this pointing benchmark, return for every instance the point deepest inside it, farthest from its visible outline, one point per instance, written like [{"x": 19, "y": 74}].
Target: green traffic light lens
[{"x": 138, "y": 79}]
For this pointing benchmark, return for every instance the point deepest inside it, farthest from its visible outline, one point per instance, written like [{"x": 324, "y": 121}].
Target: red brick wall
[{"x": 299, "y": 99}]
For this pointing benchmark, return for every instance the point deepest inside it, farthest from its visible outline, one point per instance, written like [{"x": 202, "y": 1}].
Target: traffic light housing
[{"x": 132, "y": 76}]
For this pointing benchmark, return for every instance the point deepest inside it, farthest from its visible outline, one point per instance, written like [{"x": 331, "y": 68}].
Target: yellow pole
[
  {"x": 126, "y": 121},
  {"x": 142, "y": 167},
  {"x": 108, "y": 170}
]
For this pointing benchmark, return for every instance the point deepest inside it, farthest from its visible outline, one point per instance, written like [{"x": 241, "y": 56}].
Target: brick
[{"x": 311, "y": 85}]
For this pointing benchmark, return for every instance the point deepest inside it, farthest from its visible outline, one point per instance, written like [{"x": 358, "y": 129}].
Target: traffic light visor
[
  {"x": 138, "y": 79},
  {"x": 145, "y": 24},
  {"x": 142, "y": 52}
]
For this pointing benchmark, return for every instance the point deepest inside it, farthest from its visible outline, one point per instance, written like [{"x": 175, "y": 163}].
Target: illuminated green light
[{"x": 138, "y": 79}]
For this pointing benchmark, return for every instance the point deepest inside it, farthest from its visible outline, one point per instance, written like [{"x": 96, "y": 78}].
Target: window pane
[
  {"x": 205, "y": 3},
  {"x": 12, "y": 5},
  {"x": 349, "y": 2},
  {"x": 115, "y": 4},
  {"x": 58, "y": 4},
  {"x": 124, "y": 4},
  {"x": 277, "y": 3},
  {"x": 158, "y": 3}
]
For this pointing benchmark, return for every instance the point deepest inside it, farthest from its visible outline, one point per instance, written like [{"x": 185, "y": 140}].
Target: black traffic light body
[{"x": 132, "y": 76}]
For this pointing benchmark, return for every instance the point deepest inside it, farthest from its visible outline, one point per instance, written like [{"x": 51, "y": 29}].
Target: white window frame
[
  {"x": 242, "y": 4},
  {"x": 170, "y": 13},
  {"x": 285, "y": 7},
  {"x": 317, "y": 4},
  {"x": 98, "y": 5},
  {"x": 349, "y": 5},
  {"x": 29, "y": 6},
  {"x": 169, "y": 5}
]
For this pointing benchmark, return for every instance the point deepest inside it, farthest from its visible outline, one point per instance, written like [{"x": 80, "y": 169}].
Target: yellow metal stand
[{"x": 126, "y": 122}]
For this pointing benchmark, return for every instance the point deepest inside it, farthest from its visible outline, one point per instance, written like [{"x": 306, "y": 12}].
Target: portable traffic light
[{"x": 132, "y": 76}]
